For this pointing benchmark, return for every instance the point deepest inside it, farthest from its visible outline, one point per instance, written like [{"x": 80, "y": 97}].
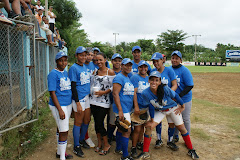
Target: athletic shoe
[
  {"x": 172, "y": 146},
  {"x": 118, "y": 152},
  {"x": 67, "y": 156},
  {"x": 159, "y": 143},
  {"x": 134, "y": 152},
  {"x": 12, "y": 15},
  {"x": 4, "y": 19},
  {"x": 90, "y": 142},
  {"x": 175, "y": 139},
  {"x": 78, "y": 151},
  {"x": 140, "y": 146},
  {"x": 192, "y": 153},
  {"x": 84, "y": 144},
  {"x": 144, "y": 155},
  {"x": 127, "y": 158}
]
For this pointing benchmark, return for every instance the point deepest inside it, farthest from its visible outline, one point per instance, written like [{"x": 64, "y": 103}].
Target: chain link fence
[{"x": 25, "y": 64}]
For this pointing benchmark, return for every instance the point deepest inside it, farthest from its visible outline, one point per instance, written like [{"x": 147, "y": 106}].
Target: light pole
[
  {"x": 46, "y": 8},
  {"x": 195, "y": 54},
  {"x": 115, "y": 41}
]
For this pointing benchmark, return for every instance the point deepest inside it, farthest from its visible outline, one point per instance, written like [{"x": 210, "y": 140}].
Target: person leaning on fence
[
  {"x": 45, "y": 26},
  {"x": 60, "y": 103}
]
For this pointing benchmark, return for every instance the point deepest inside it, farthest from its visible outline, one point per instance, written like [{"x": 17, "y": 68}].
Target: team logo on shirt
[
  {"x": 142, "y": 85},
  {"x": 164, "y": 81},
  {"x": 157, "y": 105},
  {"x": 178, "y": 80},
  {"x": 128, "y": 89},
  {"x": 84, "y": 78},
  {"x": 134, "y": 70},
  {"x": 65, "y": 84}
]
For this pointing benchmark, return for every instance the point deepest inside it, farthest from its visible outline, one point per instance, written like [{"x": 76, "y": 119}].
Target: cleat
[
  {"x": 78, "y": 151},
  {"x": 118, "y": 152},
  {"x": 159, "y": 144},
  {"x": 140, "y": 146},
  {"x": 134, "y": 152},
  {"x": 90, "y": 142},
  {"x": 67, "y": 156},
  {"x": 172, "y": 146},
  {"x": 127, "y": 158},
  {"x": 84, "y": 144},
  {"x": 143, "y": 155},
  {"x": 175, "y": 139},
  {"x": 192, "y": 153}
]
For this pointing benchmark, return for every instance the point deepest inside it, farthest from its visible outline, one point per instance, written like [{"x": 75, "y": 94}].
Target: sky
[{"x": 217, "y": 21}]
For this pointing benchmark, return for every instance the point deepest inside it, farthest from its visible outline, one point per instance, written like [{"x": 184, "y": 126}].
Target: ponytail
[{"x": 160, "y": 93}]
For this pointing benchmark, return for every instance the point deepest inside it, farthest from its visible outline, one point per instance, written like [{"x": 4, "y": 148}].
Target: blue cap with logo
[
  {"x": 178, "y": 53},
  {"x": 157, "y": 56},
  {"x": 155, "y": 74},
  {"x": 80, "y": 49},
  {"x": 96, "y": 49},
  {"x": 116, "y": 55},
  {"x": 142, "y": 62},
  {"x": 60, "y": 55},
  {"x": 126, "y": 61},
  {"x": 136, "y": 47}
]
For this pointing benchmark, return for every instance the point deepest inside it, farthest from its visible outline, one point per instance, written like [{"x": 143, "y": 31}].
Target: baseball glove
[
  {"x": 141, "y": 118},
  {"x": 123, "y": 125}
]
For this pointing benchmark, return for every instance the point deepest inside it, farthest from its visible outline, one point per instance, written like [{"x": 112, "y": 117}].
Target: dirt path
[{"x": 212, "y": 139}]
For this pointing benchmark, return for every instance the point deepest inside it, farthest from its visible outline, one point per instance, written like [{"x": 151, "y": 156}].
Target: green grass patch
[{"x": 198, "y": 132}]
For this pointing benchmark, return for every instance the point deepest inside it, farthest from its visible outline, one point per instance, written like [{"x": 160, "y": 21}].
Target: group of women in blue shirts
[{"x": 130, "y": 87}]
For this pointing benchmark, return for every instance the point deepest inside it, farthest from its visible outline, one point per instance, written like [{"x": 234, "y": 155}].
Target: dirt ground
[{"x": 220, "y": 142}]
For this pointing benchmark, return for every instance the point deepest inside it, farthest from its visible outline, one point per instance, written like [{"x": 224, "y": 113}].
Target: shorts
[
  {"x": 85, "y": 103},
  {"x": 170, "y": 115},
  {"x": 126, "y": 115},
  {"x": 63, "y": 125},
  {"x": 112, "y": 116}
]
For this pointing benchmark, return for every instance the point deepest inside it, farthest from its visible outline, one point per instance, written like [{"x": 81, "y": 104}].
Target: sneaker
[
  {"x": 159, "y": 143},
  {"x": 84, "y": 144},
  {"x": 172, "y": 146},
  {"x": 78, "y": 151},
  {"x": 4, "y": 19},
  {"x": 67, "y": 156},
  {"x": 140, "y": 146},
  {"x": 175, "y": 139},
  {"x": 192, "y": 153},
  {"x": 127, "y": 158},
  {"x": 90, "y": 142},
  {"x": 118, "y": 152},
  {"x": 144, "y": 155},
  {"x": 134, "y": 152}
]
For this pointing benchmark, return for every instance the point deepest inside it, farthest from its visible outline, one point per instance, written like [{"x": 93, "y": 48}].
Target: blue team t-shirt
[
  {"x": 126, "y": 93},
  {"x": 141, "y": 84},
  {"x": 59, "y": 82},
  {"x": 184, "y": 79},
  {"x": 81, "y": 76},
  {"x": 167, "y": 76},
  {"x": 90, "y": 67},
  {"x": 135, "y": 67}
]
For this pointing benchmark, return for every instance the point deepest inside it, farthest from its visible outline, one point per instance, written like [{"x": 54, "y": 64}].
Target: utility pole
[
  {"x": 115, "y": 41},
  {"x": 195, "y": 54},
  {"x": 46, "y": 8}
]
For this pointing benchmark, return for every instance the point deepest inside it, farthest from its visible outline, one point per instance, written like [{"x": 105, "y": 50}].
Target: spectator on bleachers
[
  {"x": 45, "y": 26},
  {"x": 13, "y": 12},
  {"x": 39, "y": 16},
  {"x": 38, "y": 6},
  {"x": 4, "y": 19},
  {"x": 59, "y": 40},
  {"x": 51, "y": 17}
]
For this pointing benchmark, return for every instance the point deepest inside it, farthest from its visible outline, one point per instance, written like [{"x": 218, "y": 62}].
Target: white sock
[
  {"x": 62, "y": 149},
  {"x": 57, "y": 136}
]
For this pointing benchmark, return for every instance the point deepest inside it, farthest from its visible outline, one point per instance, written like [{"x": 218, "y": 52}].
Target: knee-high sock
[
  {"x": 86, "y": 136},
  {"x": 62, "y": 149},
  {"x": 84, "y": 129},
  {"x": 76, "y": 135},
  {"x": 146, "y": 143},
  {"x": 170, "y": 134},
  {"x": 118, "y": 141},
  {"x": 187, "y": 140},
  {"x": 159, "y": 131},
  {"x": 57, "y": 136},
  {"x": 124, "y": 142}
]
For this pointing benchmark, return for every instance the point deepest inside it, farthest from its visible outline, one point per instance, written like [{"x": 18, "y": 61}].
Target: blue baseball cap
[
  {"x": 60, "y": 55},
  {"x": 155, "y": 74},
  {"x": 126, "y": 61},
  {"x": 136, "y": 47},
  {"x": 80, "y": 49},
  {"x": 96, "y": 49},
  {"x": 178, "y": 53},
  {"x": 116, "y": 55},
  {"x": 157, "y": 56},
  {"x": 142, "y": 62}
]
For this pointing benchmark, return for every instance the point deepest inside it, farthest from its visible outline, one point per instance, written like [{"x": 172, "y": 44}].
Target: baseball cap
[
  {"x": 178, "y": 53},
  {"x": 116, "y": 55},
  {"x": 157, "y": 56},
  {"x": 155, "y": 74},
  {"x": 136, "y": 47},
  {"x": 80, "y": 49},
  {"x": 89, "y": 49},
  {"x": 60, "y": 55},
  {"x": 126, "y": 61},
  {"x": 96, "y": 49},
  {"x": 142, "y": 62}
]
